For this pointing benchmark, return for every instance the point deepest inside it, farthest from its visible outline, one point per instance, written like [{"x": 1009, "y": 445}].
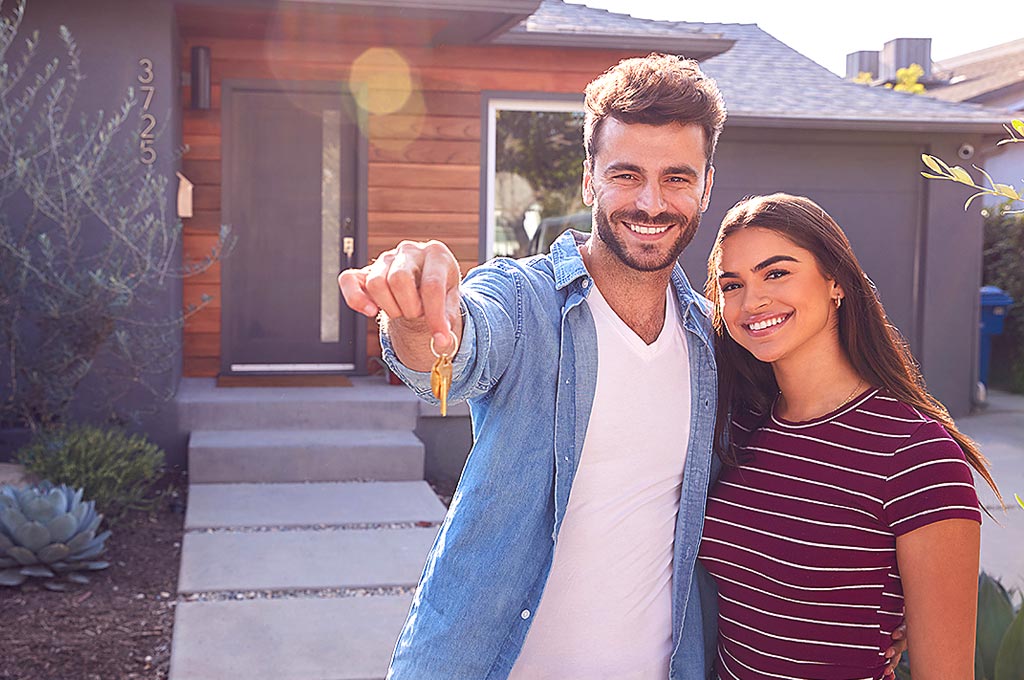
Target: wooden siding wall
[{"x": 424, "y": 159}]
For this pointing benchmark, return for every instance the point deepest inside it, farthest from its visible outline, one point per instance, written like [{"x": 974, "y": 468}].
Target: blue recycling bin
[{"x": 994, "y": 305}]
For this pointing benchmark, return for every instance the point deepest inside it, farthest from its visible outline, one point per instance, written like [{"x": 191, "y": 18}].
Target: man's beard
[{"x": 651, "y": 257}]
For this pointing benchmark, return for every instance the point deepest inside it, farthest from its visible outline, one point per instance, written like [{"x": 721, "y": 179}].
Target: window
[{"x": 534, "y": 169}]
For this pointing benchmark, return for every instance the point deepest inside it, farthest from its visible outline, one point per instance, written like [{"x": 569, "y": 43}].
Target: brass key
[{"x": 441, "y": 373}]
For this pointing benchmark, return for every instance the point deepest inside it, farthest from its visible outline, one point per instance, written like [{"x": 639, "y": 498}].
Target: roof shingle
[{"x": 763, "y": 78}]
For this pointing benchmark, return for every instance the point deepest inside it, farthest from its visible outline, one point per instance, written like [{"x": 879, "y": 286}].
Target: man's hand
[
  {"x": 893, "y": 654},
  {"x": 416, "y": 284}
]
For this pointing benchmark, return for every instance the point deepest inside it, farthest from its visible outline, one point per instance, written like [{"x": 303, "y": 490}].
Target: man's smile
[{"x": 647, "y": 230}]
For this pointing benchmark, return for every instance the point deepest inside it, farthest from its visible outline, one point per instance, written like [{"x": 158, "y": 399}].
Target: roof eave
[
  {"x": 699, "y": 48},
  {"x": 869, "y": 125}
]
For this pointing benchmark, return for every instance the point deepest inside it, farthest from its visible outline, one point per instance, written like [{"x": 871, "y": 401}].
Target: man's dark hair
[{"x": 655, "y": 90}]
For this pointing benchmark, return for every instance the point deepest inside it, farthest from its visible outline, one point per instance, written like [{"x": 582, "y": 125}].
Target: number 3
[{"x": 147, "y": 71}]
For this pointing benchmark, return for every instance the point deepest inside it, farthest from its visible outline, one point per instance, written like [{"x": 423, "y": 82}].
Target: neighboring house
[
  {"x": 325, "y": 131},
  {"x": 994, "y": 77}
]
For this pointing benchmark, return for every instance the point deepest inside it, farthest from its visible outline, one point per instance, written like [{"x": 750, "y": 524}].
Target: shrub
[
  {"x": 116, "y": 469},
  {"x": 1004, "y": 267},
  {"x": 88, "y": 245}
]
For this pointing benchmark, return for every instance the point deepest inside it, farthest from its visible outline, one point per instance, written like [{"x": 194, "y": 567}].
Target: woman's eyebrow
[
  {"x": 772, "y": 260},
  {"x": 761, "y": 265}
]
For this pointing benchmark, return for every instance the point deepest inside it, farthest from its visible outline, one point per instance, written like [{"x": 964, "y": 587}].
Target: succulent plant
[
  {"x": 47, "y": 532},
  {"x": 999, "y": 649}
]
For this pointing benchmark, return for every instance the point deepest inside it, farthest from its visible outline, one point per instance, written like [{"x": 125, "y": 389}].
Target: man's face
[{"x": 647, "y": 190}]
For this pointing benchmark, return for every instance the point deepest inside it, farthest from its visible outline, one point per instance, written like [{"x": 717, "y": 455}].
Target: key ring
[{"x": 455, "y": 345}]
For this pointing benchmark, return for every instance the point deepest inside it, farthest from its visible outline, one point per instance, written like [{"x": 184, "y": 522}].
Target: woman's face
[{"x": 776, "y": 303}]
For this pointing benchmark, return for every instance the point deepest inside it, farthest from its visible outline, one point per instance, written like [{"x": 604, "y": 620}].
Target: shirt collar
[
  {"x": 566, "y": 258},
  {"x": 568, "y": 265}
]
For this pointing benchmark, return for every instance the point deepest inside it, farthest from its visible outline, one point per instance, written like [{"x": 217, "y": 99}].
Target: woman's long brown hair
[{"x": 874, "y": 346}]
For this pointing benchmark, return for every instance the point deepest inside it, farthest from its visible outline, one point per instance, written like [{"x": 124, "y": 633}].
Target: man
[{"x": 527, "y": 580}]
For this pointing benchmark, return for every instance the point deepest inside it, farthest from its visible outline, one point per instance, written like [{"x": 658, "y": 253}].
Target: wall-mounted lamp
[{"x": 200, "y": 78}]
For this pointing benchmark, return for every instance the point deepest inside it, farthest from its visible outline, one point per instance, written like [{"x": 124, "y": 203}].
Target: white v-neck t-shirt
[{"x": 606, "y": 611}]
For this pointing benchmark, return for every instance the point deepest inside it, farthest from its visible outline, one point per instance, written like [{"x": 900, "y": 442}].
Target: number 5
[{"x": 148, "y": 152}]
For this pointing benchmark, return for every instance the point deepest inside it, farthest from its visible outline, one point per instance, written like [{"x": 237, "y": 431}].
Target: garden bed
[{"x": 116, "y": 627}]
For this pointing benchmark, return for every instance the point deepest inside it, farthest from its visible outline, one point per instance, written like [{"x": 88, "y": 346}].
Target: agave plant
[
  {"x": 47, "y": 532},
  {"x": 999, "y": 649}
]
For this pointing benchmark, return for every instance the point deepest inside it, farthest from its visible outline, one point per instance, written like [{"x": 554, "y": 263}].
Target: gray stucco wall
[
  {"x": 910, "y": 235},
  {"x": 112, "y": 37}
]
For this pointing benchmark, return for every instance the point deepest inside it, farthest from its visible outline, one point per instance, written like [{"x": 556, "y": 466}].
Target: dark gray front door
[{"x": 289, "y": 196}]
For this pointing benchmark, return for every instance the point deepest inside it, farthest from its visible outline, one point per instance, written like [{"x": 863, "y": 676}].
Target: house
[
  {"x": 324, "y": 131},
  {"x": 993, "y": 76}
]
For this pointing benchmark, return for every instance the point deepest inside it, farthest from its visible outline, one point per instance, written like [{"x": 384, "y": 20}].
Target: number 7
[{"x": 148, "y": 89}]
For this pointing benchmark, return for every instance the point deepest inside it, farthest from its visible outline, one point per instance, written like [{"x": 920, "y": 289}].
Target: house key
[{"x": 441, "y": 373}]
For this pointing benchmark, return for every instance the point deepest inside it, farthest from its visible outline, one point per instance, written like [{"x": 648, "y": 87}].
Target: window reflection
[{"x": 538, "y": 166}]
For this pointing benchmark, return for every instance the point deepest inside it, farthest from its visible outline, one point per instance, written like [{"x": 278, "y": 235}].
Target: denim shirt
[{"x": 528, "y": 368}]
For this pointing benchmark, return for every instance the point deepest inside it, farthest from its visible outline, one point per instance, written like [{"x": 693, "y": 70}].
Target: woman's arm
[{"x": 939, "y": 570}]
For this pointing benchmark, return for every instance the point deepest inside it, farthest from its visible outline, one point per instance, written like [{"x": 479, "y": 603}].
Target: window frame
[{"x": 491, "y": 103}]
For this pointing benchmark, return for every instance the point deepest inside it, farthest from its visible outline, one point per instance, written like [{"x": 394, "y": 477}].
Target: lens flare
[{"x": 381, "y": 80}]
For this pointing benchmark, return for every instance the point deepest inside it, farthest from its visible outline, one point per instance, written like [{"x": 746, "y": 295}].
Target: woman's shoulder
[{"x": 880, "y": 413}]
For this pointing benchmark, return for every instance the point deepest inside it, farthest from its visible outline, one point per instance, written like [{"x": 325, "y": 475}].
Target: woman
[{"x": 847, "y": 502}]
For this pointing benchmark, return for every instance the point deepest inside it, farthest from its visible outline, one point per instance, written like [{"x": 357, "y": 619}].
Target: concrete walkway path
[
  {"x": 999, "y": 430},
  {"x": 298, "y": 581},
  {"x": 307, "y": 527}
]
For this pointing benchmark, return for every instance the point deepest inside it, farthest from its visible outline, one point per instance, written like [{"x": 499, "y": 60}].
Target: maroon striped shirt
[{"x": 801, "y": 537}]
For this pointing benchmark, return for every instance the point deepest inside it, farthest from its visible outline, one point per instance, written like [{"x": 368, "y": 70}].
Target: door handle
[{"x": 348, "y": 242}]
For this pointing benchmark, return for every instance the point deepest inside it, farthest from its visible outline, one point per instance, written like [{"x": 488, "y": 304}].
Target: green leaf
[
  {"x": 54, "y": 552},
  {"x": 1018, "y": 125},
  {"x": 12, "y": 577},
  {"x": 62, "y": 528},
  {"x": 1020, "y": 502},
  {"x": 23, "y": 555},
  {"x": 1007, "y": 190},
  {"x": 930, "y": 176},
  {"x": 931, "y": 162},
  {"x": 32, "y": 535},
  {"x": 38, "y": 571},
  {"x": 1010, "y": 660},
  {"x": 971, "y": 199},
  {"x": 995, "y": 612},
  {"x": 961, "y": 175}
]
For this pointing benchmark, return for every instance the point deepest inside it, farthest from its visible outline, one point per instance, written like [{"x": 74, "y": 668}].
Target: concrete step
[
  {"x": 290, "y": 639},
  {"x": 235, "y": 456},
  {"x": 368, "y": 404},
  {"x": 303, "y": 559},
  {"x": 282, "y": 505}
]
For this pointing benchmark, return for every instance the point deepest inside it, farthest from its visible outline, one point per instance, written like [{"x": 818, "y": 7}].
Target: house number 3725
[{"x": 147, "y": 154}]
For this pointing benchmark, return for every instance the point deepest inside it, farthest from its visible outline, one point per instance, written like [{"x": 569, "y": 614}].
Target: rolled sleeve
[
  {"x": 490, "y": 307},
  {"x": 419, "y": 381}
]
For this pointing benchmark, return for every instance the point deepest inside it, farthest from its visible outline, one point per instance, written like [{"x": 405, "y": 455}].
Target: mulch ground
[{"x": 116, "y": 627}]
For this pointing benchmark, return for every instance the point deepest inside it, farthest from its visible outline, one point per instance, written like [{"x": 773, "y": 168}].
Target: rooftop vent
[
  {"x": 861, "y": 62},
  {"x": 901, "y": 53}
]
